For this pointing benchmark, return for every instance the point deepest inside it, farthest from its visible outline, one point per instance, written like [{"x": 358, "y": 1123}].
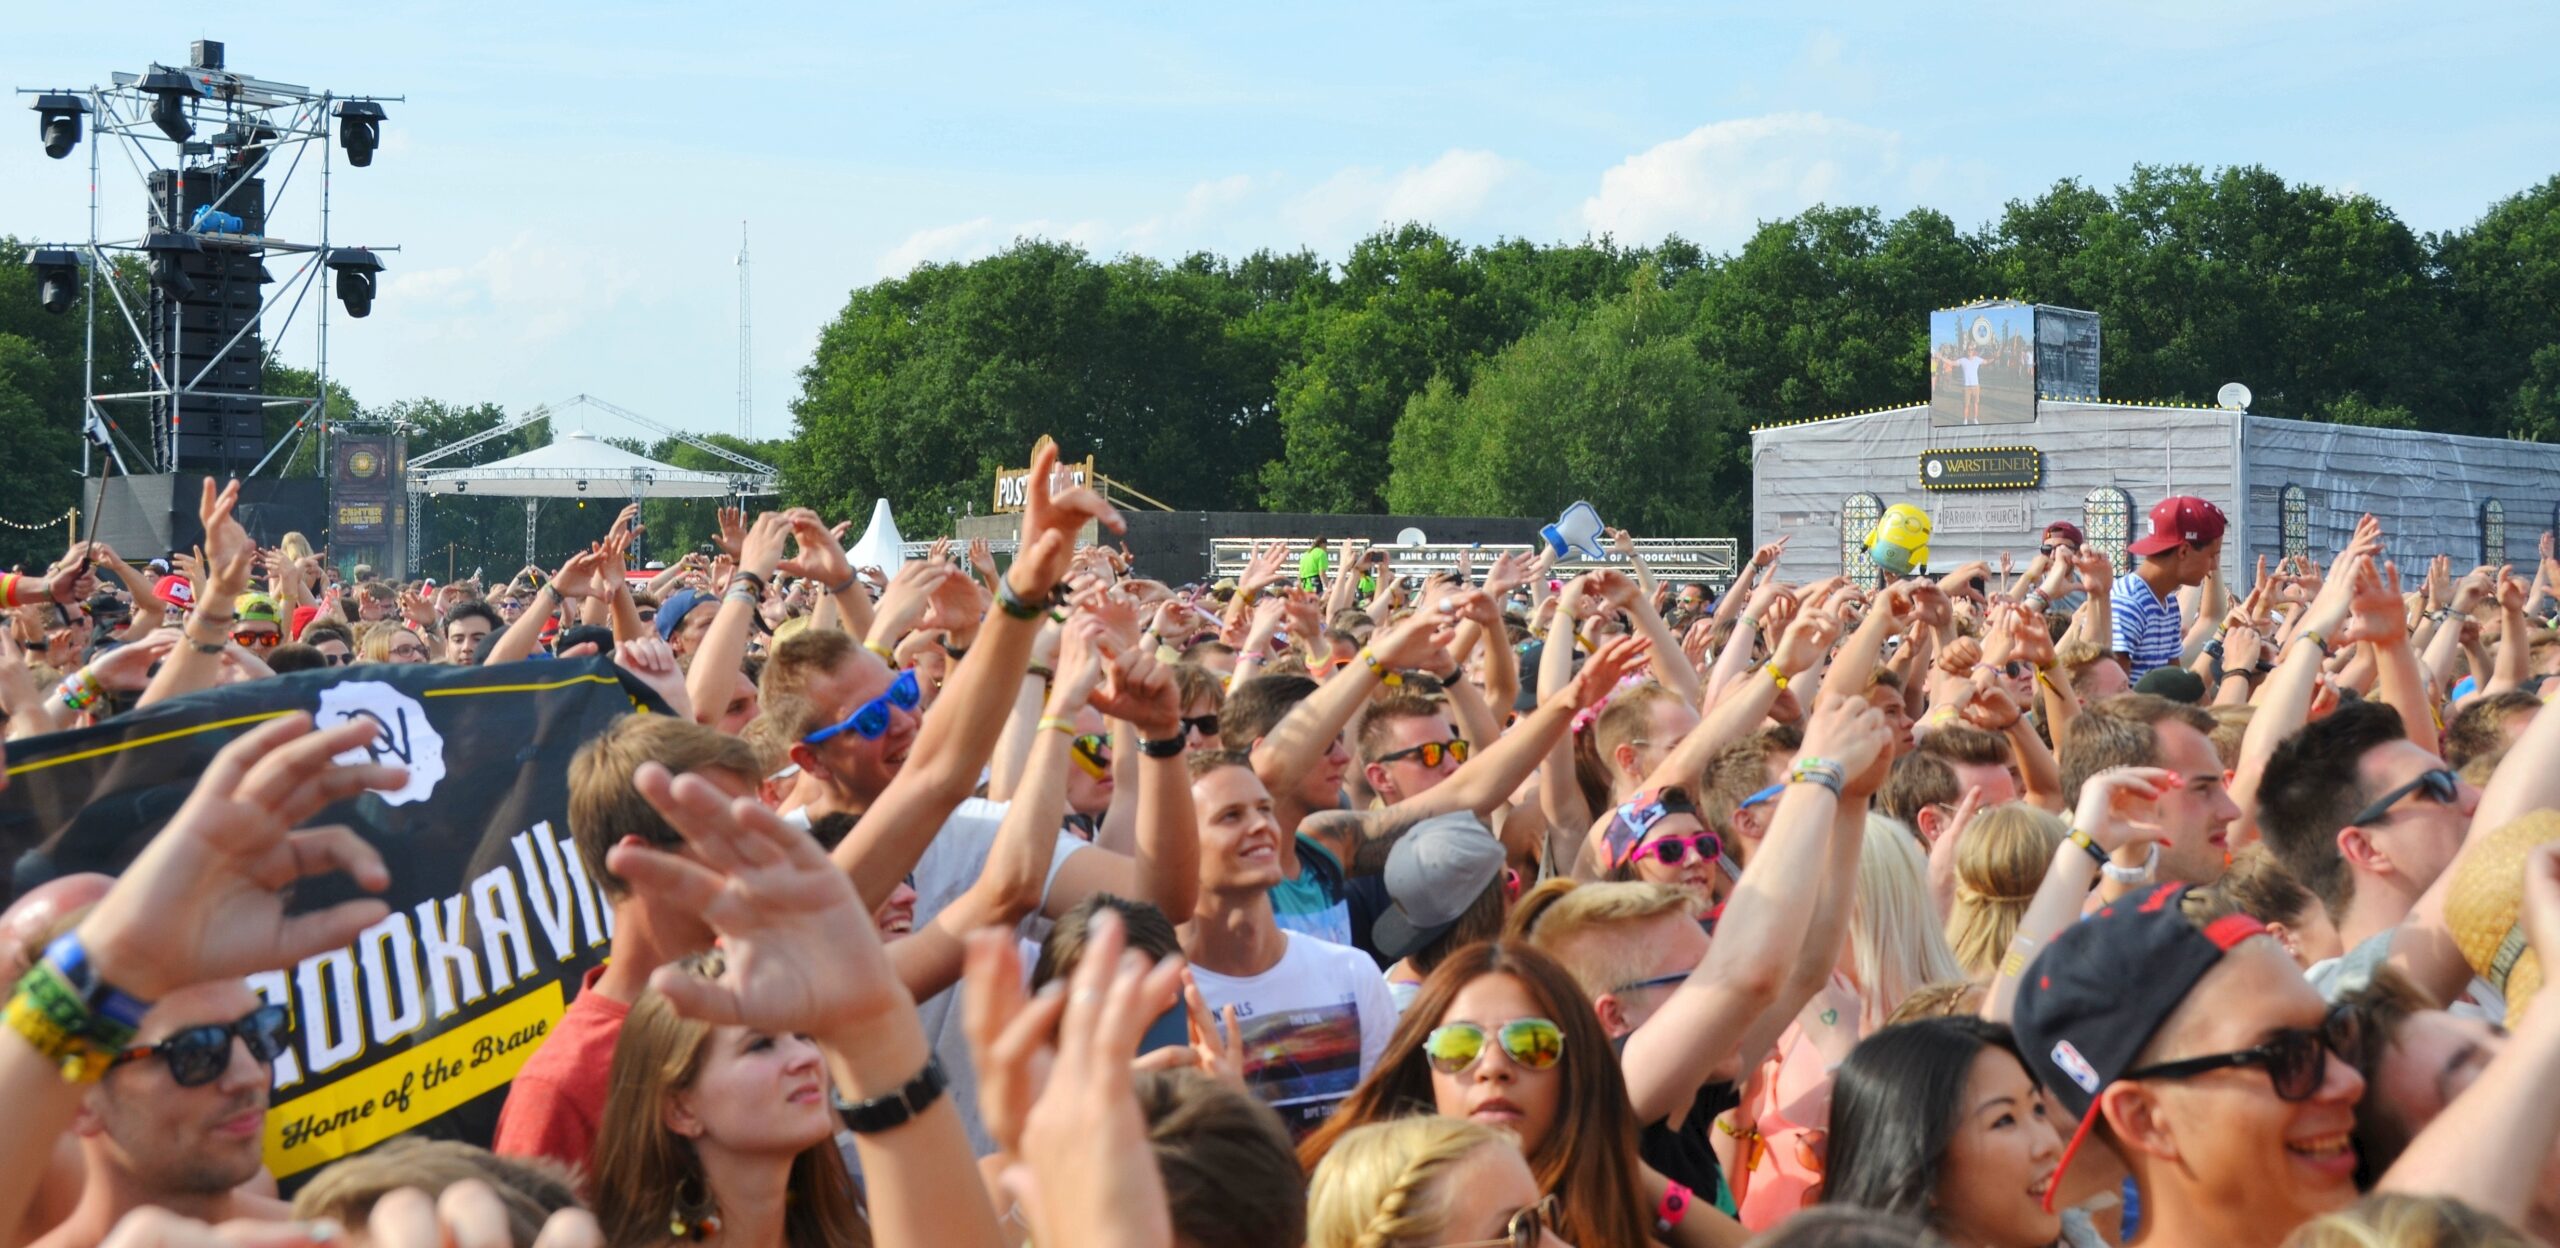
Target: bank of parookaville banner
[{"x": 424, "y": 1019}]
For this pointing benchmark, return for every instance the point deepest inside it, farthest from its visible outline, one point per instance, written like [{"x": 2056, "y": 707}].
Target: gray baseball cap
[{"x": 1437, "y": 869}]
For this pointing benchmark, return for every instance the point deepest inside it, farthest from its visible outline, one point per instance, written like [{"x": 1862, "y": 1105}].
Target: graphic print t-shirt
[{"x": 1313, "y": 1025}]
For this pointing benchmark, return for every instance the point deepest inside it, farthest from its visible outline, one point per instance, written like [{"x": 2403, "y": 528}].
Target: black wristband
[
  {"x": 1013, "y": 604},
  {"x": 898, "y": 1108},
  {"x": 1170, "y": 747}
]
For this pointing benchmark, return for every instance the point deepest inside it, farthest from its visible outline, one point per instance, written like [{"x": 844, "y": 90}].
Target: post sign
[
  {"x": 1013, "y": 485},
  {"x": 1982, "y": 468}
]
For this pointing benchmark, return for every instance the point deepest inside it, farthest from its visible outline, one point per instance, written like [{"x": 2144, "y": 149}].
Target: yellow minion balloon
[{"x": 1900, "y": 541}]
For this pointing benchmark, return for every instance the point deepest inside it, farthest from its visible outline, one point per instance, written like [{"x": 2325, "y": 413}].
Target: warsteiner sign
[
  {"x": 420, "y": 1023},
  {"x": 1982, "y": 468}
]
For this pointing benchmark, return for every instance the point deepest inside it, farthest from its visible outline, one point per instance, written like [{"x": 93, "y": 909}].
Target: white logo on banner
[{"x": 401, "y": 734}]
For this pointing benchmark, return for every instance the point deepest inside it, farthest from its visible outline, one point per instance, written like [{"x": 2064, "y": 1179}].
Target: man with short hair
[
  {"x": 1315, "y": 1014},
  {"x": 2195, "y": 818},
  {"x": 1408, "y": 743},
  {"x": 1925, "y": 788},
  {"x": 1743, "y": 779},
  {"x": 1312, "y": 565},
  {"x": 555, "y": 1106},
  {"x": 464, "y": 626},
  {"x": 2183, "y": 548},
  {"x": 2203, "y": 1060},
  {"x": 2366, "y": 819},
  {"x": 181, "y": 1124}
]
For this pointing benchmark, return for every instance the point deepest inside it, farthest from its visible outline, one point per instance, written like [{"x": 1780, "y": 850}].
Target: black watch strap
[
  {"x": 1170, "y": 747},
  {"x": 898, "y": 1108}
]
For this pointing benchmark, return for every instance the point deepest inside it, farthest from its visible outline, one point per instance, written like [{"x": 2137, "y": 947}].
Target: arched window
[
  {"x": 2493, "y": 532},
  {"x": 2293, "y": 508},
  {"x": 1858, "y": 517},
  {"x": 2106, "y": 518}
]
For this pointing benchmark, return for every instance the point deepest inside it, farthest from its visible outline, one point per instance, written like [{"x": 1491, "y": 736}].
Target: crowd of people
[{"x": 1050, "y": 903}]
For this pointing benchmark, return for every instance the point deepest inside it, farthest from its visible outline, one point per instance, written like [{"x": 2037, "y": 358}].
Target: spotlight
[
  {"x": 355, "y": 268},
  {"x": 582, "y": 487},
  {"x": 170, "y": 91},
  {"x": 167, "y": 271},
  {"x": 461, "y": 487},
  {"x": 57, "y": 277},
  {"x": 359, "y": 130},
  {"x": 58, "y": 120}
]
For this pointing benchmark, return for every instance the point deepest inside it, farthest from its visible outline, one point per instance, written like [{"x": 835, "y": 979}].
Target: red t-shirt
[{"x": 555, "y": 1107}]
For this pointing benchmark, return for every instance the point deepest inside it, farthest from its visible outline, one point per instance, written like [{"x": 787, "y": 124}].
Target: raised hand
[
  {"x": 2097, "y": 573},
  {"x": 652, "y": 662},
  {"x": 1409, "y": 643},
  {"x": 1807, "y": 639},
  {"x": 1054, "y": 510},
  {"x": 1848, "y": 731},
  {"x": 228, "y": 550},
  {"x": 1138, "y": 690},
  {"x": 205, "y": 899},
  {"x": 2113, "y": 801},
  {"x": 1989, "y": 705},
  {"x": 733, "y": 531},
  {"x": 802, "y": 954},
  {"x": 1767, "y": 555},
  {"x": 816, "y": 554},
  {"x": 1265, "y": 567},
  {"x": 909, "y": 593},
  {"x": 127, "y": 668}
]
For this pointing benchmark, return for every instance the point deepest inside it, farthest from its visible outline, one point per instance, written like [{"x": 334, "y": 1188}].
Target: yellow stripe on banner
[
  {"x": 153, "y": 739},
  {"x": 590, "y": 679},
  {"x": 409, "y": 1088}
]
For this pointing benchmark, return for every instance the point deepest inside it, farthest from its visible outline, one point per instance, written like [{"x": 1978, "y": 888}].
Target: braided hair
[{"x": 1380, "y": 1186}]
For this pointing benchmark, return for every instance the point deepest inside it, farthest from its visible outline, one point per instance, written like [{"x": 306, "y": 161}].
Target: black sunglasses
[
  {"x": 2442, "y": 787},
  {"x": 1205, "y": 725},
  {"x": 2297, "y": 1059},
  {"x": 198, "y": 1055}
]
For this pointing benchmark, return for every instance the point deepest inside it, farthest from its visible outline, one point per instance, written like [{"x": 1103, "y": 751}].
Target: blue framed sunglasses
[{"x": 871, "y": 719}]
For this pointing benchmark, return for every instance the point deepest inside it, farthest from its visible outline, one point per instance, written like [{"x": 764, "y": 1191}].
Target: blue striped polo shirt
[{"x": 2149, "y": 633}]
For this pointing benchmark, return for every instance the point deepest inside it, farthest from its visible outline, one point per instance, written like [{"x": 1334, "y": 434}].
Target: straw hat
[{"x": 2485, "y": 908}]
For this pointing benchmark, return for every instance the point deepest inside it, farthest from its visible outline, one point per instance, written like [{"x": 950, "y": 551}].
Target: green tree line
[{"x": 1421, "y": 374}]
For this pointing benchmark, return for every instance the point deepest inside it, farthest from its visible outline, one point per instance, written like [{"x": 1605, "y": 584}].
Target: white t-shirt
[
  {"x": 955, "y": 859},
  {"x": 1314, "y": 1024},
  {"x": 1972, "y": 366}
]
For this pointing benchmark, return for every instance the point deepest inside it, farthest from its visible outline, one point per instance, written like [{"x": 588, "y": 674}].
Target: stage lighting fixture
[
  {"x": 582, "y": 486},
  {"x": 167, "y": 271},
  {"x": 359, "y": 130},
  {"x": 355, "y": 268},
  {"x": 57, "y": 277},
  {"x": 461, "y": 487},
  {"x": 170, "y": 92},
  {"x": 58, "y": 120}
]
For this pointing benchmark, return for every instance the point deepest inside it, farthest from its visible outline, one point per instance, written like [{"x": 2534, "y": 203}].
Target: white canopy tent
[
  {"x": 576, "y": 465},
  {"x": 581, "y": 465}
]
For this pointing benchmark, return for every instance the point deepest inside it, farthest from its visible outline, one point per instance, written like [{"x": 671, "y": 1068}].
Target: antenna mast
[{"x": 746, "y": 344}]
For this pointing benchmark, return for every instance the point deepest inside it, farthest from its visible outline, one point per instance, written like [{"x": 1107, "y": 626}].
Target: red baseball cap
[
  {"x": 2180, "y": 520},
  {"x": 2067, "y": 531},
  {"x": 175, "y": 591}
]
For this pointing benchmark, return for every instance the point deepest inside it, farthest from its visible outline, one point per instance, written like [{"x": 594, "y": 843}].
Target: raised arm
[
  {"x": 959, "y": 734},
  {"x": 197, "y": 663},
  {"x": 1298, "y": 742},
  {"x": 1764, "y": 924},
  {"x": 2488, "y": 1147},
  {"x": 2113, "y": 806},
  {"x": 2284, "y": 701},
  {"x": 713, "y": 675}
]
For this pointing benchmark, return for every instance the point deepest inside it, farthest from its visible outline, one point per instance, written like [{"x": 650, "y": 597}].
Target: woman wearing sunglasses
[
  {"x": 1428, "y": 1181},
  {"x": 1656, "y": 836},
  {"x": 1939, "y": 1120},
  {"x": 1500, "y": 1035}
]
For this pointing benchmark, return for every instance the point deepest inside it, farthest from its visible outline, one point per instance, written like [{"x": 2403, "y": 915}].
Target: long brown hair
[
  {"x": 1588, "y": 1159},
  {"x": 641, "y": 1168}
]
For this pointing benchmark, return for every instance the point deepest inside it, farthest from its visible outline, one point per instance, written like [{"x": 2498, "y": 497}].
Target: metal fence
[{"x": 1711, "y": 560}]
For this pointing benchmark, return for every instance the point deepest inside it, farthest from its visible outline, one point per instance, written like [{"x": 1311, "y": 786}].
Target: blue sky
[{"x": 568, "y": 180}]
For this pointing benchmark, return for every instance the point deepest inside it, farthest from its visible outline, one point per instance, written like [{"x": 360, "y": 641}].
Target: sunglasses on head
[
  {"x": 2296, "y": 1058},
  {"x": 1671, "y": 851},
  {"x": 2440, "y": 786},
  {"x": 1533, "y": 1043},
  {"x": 1431, "y": 753},
  {"x": 1526, "y": 1229},
  {"x": 197, "y": 1056},
  {"x": 1205, "y": 725},
  {"x": 1092, "y": 752},
  {"x": 871, "y": 719}
]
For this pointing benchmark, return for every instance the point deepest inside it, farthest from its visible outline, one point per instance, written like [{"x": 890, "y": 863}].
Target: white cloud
[
  {"x": 966, "y": 240},
  {"x": 1715, "y": 184},
  {"x": 1449, "y": 191},
  {"x": 525, "y": 291}
]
